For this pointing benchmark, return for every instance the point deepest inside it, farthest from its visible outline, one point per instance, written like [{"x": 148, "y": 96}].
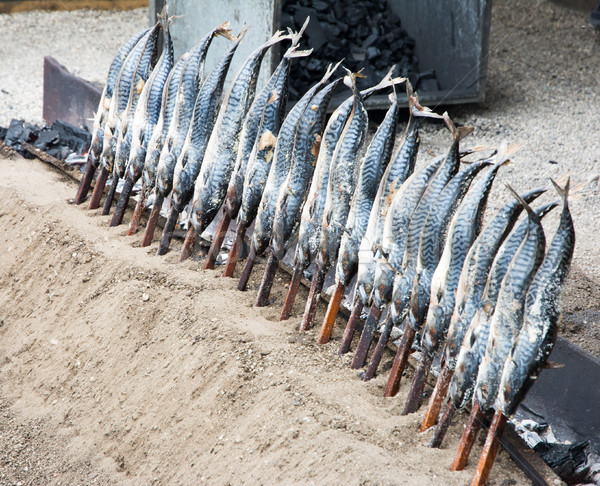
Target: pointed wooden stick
[
  {"x": 437, "y": 397},
  {"x": 243, "y": 283},
  {"x": 415, "y": 394},
  {"x": 313, "y": 296},
  {"x": 267, "y": 282},
  {"x": 442, "y": 428},
  {"x": 378, "y": 353},
  {"x": 154, "y": 215},
  {"x": 468, "y": 439},
  {"x": 490, "y": 449},
  {"x": 286, "y": 310},
  {"x": 393, "y": 383},
  {"x": 134, "y": 224},
  {"x": 123, "y": 201},
  {"x": 351, "y": 327},
  {"x": 86, "y": 181},
  {"x": 235, "y": 251},
  {"x": 366, "y": 337},
  {"x": 217, "y": 242},
  {"x": 110, "y": 195},
  {"x": 98, "y": 189},
  {"x": 167, "y": 233},
  {"x": 332, "y": 311}
]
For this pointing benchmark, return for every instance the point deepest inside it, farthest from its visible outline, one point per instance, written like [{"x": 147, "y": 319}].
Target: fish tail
[
  {"x": 388, "y": 81},
  {"x": 563, "y": 192},
  {"x": 276, "y": 38},
  {"x": 241, "y": 34},
  {"x": 329, "y": 71},
  {"x": 224, "y": 30},
  {"x": 416, "y": 109},
  {"x": 458, "y": 133},
  {"x": 296, "y": 36},
  {"x": 523, "y": 203}
]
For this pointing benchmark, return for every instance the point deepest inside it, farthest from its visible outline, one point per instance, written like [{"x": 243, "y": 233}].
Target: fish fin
[
  {"x": 224, "y": 31},
  {"x": 276, "y": 38},
  {"x": 296, "y": 36},
  {"x": 388, "y": 81},
  {"x": 241, "y": 34},
  {"x": 416, "y": 109},
  {"x": 458, "y": 133},
  {"x": 293, "y": 52},
  {"x": 563, "y": 192},
  {"x": 329, "y": 71}
]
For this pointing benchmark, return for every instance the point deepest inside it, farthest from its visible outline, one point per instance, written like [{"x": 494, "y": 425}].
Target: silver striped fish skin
[
  {"x": 343, "y": 176},
  {"x": 397, "y": 172},
  {"x": 143, "y": 71},
  {"x": 372, "y": 169},
  {"x": 388, "y": 257},
  {"x": 190, "y": 81},
  {"x": 119, "y": 100},
  {"x": 439, "y": 218},
  {"x": 507, "y": 319},
  {"x": 475, "y": 341},
  {"x": 149, "y": 107},
  {"x": 309, "y": 235},
  {"x": 542, "y": 309},
  {"x": 107, "y": 94},
  {"x": 162, "y": 126},
  {"x": 203, "y": 120},
  {"x": 471, "y": 285},
  {"x": 405, "y": 262},
  {"x": 294, "y": 191},
  {"x": 222, "y": 149},
  {"x": 235, "y": 189},
  {"x": 464, "y": 229},
  {"x": 280, "y": 166},
  {"x": 263, "y": 150}
]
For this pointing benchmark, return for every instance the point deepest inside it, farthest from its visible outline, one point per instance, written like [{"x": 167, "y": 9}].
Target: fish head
[
  {"x": 108, "y": 154},
  {"x": 122, "y": 156},
  {"x": 383, "y": 283},
  {"x": 96, "y": 146},
  {"x": 400, "y": 296},
  {"x": 434, "y": 324},
  {"x": 137, "y": 157}
]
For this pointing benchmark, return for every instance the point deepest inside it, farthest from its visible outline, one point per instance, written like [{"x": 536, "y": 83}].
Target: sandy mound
[{"x": 121, "y": 367}]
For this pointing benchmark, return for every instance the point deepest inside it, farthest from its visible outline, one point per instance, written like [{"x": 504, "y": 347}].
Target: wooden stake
[
  {"x": 235, "y": 251},
  {"x": 167, "y": 233},
  {"x": 267, "y": 282},
  {"x": 286, "y": 311},
  {"x": 378, "y": 353},
  {"x": 110, "y": 195},
  {"x": 490, "y": 449},
  {"x": 332, "y": 311},
  {"x": 243, "y": 283},
  {"x": 360, "y": 355},
  {"x": 98, "y": 189},
  {"x": 351, "y": 327},
  {"x": 393, "y": 383},
  {"x": 154, "y": 215},
  {"x": 468, "y": 439},
  {"x": 313, "y": 296},
  {"x": 217, "y": 242},
  {"x": 123, "y": 201},
  {"x": 437, "y": 397},
  {"x": 188, "y": 243},
  {"x": 418, "y": 385},
  {"x": 86, "y": 181},
  {"x": 442, "y": 428},
  {"x": 134, "y": 224}
]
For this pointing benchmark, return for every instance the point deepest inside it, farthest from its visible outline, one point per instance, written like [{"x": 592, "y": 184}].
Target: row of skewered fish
[{"x": 486, "y": 297}]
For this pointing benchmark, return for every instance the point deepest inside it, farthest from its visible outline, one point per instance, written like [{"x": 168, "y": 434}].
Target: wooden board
[{"x": 11, "y": 6}]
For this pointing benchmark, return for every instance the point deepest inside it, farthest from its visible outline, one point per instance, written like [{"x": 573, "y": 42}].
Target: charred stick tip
[
  {"x": 351, "y": 327},
  {"x": 267, "y": 282},
  {"x": 286, "y": 311}
]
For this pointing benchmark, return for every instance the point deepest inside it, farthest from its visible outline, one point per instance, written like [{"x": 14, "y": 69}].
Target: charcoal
[
  {"x": 320, "y": 6},
  {"x": 366, "y": 33},
  {"x": 287, "y": 21},
  {"x": 315, "y": 33},
  {"x": 3, "y": 133}
]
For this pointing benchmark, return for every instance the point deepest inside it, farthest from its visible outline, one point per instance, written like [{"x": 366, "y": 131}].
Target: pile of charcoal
[
  {"x": 367, "y": 34},
  {"x": 60, "y": 139},
  {"x": 486, "y": 297}
]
